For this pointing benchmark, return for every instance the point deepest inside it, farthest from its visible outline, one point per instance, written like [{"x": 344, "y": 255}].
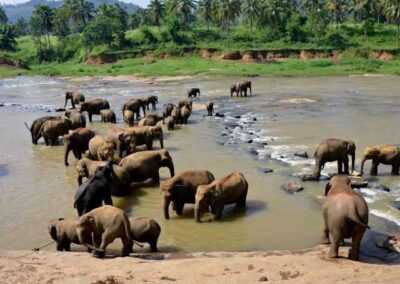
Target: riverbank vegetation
[{"x": 60, "y": 41}]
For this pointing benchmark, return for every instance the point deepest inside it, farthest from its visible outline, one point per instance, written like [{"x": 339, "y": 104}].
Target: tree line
[{"x": 77, "y": 24}]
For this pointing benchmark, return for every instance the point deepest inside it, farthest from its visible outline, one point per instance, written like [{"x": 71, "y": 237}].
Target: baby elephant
[
  {"x": 64, "y": 232},
  {"x": 108, "y": 116},
  {"x": 145, "y": 230},
  {"x": 106, "y": 224},
  {"x": 228, "y": 190},
  {"x": 210, "y": 108},
  {"x": 345, "y": 215}
]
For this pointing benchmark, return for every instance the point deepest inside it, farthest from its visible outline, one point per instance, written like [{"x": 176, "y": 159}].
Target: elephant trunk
[
  {"x": 197, "y": 213},
  {"x": 317, "y": 169},
  {"x": 353, "y": 159},
  {"x": 66, "y": 153},
  {"x": 162, "y": 141},
  {"x": 80, "y": 178},
  {"x": 167, "y": 201},
  {"x": 171, "y": 168}
]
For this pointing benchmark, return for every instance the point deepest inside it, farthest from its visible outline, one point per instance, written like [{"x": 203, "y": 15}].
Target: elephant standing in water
[
  {"x": 331, "y": 150},
  {"x": 241, "y": 89},
  {"x": 51, "y": 130},
  {"x": 34, "y": 129},
  {"x": 382, "y": 154},
  {"x": 75, "y": 97},
  {"x": 345, "y": 215},
  {"x": 193, "y": 93},
  {"x": 94, "y": 107},
  {"x": 153, "y": 101},
  {"x": 77, "y": 141}
]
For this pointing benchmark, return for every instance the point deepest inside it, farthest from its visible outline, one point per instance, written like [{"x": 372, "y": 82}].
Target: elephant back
[{"x": 82, "y": 191}]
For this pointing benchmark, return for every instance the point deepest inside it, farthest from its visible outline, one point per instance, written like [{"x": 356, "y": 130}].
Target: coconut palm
[
  {"x": 392, "y": 12},
  {"x": 80, "y": 11},
  {"x": 251, "y": 10},
  {"x": 206, "y": 11},
  {"x": 338, "y": 8},
  {"x": 156, "y": 11}
]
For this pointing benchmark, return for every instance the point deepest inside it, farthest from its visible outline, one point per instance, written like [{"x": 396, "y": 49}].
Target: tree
[
  {"x": 207, "y": 12},
  {"x": 3, "y": 16},
  {"x": 364, "y": 10},
  {"x": 42, "y": 24},
  {"x": 276, "y": 14},
  {"x": 227, "y": 11},
  {"x": 156, "y": 11},
  {"x": 182, "y": 10},
  {"x": 80, "y": 11},
  {"x": 392, "y": 11},
  {"x": 21, "y": 27},
  {"x": 317, "y": 17},
  {"x": 251, "y": 9},
  {"x": 339, "y": 9},
  {"x": 61, "y": 22},
  {"x": 7, "y": 37}
]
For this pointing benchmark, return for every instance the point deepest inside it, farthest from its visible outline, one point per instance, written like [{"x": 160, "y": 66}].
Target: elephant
[
  {"x": 334, "y": 150},
  {"x": 170, "y": 122},
  {"x": 185, "y": 114},
  {"x": 210, "y": 108},
  {"x": 129, "y": 117},
  {"x": 52, "y": 129},
  {"x": 75, "y": 97},
  {"x": 145, "y": 230},
  {"x": 176, "y": 115},
  {"x": 34, "y": 129},
  {"x": 150, "y": 120},
  {"x": 94, "y": 107},
  {"x": 182, "y": 188},
  {"x": 168, "y": 110},
  {"x": 193, "y": 93},
  {"x": 101, "y": 149},
  {"x": 105, "y": 224},
  {"x": 146, "y": 164},
  {"x": 235, "y": 89},
  {"x": 145, "y": 135},
  {"x": 86, "y": 168},
  {"x": 64, "y": 232},
  {"x": 153, "y": 101},
  {"x": 77, "y": 141},
  {"x": 345, "y": 214},
  {"x": 382, "y": 154},
  {"x": 107, "y": 115},
  {"x": 78, "y": 119},
  {"x": 243, "y": 87},
  {"x": 227, "y": 190},
  {"x": 95, "y": 191},
  {"x": 187, "y": 103},
  {"x": 135, "y": 105}
]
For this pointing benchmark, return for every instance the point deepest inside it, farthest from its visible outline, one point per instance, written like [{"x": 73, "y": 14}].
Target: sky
[{"x": 142, "y": 3}]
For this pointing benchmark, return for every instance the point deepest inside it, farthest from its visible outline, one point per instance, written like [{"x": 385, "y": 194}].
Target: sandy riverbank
[{"x": 306, "y": 266}]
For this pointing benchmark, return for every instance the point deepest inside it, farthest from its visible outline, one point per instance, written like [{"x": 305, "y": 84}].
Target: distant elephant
[
  {"x": 129, "y": 117},
  {"x": 86, "y": 168},
  {"x": 182, "y": 188},
  {"x": 228, "y": 190},
  {"x": 382, "y": 154},
  {"x": 95, "y": 190},
  {"x": 244, "y": 86},
  {"x": 64, "y": 232},
  {"x": 94, "y": 107},
  {"x": 153, "y": 101},
  {"x": 145, "y": 230},
  {"x": 187, "y": 103},
  {"x": 176, "y": 115},
  {"x": 334, "y": 150},
  {"x": 78, "y": 120},
  {"x": 108, "y": 116},
  {"x": 193, "y": 93},
  {"x": 145, "y": 135},
  {"x": 170, "y": 122},
  {"x": 150, "y": 120},
  {"x": 345, "y": 215},
  {"x": 210, "y": 108},
  {"x": 77, "y": 141},
  {"x": 135, "y": 105},
  {"x": 34, "y": 129},
  {"x": 51, "y": 130},
  {"x": 185, "y": 114},
  {"x": 102, "y": 149},
  {"x": 168, "y": 110},
  {"x": 106, "y": 224},
  {"x": 235, "y": 89},
  {"x": 146, "y": 164},
  {"x": 75, "y": 97}
]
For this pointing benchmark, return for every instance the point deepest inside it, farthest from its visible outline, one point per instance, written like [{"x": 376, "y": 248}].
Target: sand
[{"x": 306, "y": 266}]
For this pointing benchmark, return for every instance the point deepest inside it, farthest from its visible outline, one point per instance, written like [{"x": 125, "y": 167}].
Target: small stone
[
  {"x": 378, "y": 186},
  {"x": 250, "y": 141},
  {"x": 266, "y": 170},
  {"x": 1, "y": 104},
  {"x": 303, "y": 155},
  {"x": 254, "y": 118},
  {"x": 292, "y": 187},
  {"x": 237, "y": 116},
  {"x": 250, "y": 267},
  {"x": 253, "y": 151},
  {"x": 219, "y": 114},
  {"x": 263, "y": 279},
  {"x": 396, "y": 204}
]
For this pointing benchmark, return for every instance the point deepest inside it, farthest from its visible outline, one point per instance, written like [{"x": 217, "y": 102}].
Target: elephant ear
[
  {"x": 327, "y": 188},
  {"x": 53, "y": 231}
]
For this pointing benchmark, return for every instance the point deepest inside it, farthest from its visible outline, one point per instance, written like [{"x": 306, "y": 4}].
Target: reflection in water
[{"x": 287, "y": 116}]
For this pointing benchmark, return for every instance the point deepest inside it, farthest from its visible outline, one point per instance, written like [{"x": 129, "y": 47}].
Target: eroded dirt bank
[{"x": 306, "y": 266}]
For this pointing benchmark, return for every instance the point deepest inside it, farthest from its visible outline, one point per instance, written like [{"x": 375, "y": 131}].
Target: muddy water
[{"x": 286, "y": 115}]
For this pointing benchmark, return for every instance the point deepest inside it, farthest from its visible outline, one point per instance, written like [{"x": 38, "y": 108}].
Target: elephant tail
[
  {"x": 27, "y": 126},
  {"x": 353, "y": 216}
]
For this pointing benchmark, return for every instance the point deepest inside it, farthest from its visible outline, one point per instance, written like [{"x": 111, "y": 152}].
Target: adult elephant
[
  {"x": 86, "y": 168},
  {"x": 153, "y": 101},
  {"x": 145, "y": 135},
  {"x": 244, "y": 87},
  {"x": 34, "y": 129},
  {"x": 150, "y": 120},
  {"x": 135, "y": 105},
  {"x": 102, "y": 148},
  {"x": 78, "y": 120},
  {"x": 51, "y": 130},
  {"x": 231, "y": 189},
  {"x": 235, "y": 89},
  {"x": 210, "y": 108},
  {"x": 77, "y": 141},
  {"x": 186, "y": 103},
  {"x": 95, "y": 191},
  {"x": 185, "y": 113},
  {"x": 108, "y": 116},
  {"x": 193, "y": 93},
  {"x": 168, "y": 110},
  {"x": 331, "y": 150},
  {"x": 94, "y": 107},
  {"x": 382, "y": 154},
  {"x": 181, "y": 189},
  {"x": 345, "y": 215},
  {"x": 146, "y": 164},
  {"x": 75, "y": 97}
]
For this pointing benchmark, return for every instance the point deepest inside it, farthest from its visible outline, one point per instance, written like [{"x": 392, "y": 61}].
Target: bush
[
  {"x": 148, "y": 36},
  {"x": 68, "y": 48},
  {"x": 206, "y": 35},
  {"x": 336, "y": 39},
  {"x": 294, "y": 29}
]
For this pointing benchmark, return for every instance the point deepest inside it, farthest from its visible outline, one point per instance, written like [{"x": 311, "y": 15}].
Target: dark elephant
[
  {"x": 34, "y": 129},
  {"x": 210, "y": 108},
  {"x": 94, "y": 107},
  {"x": 186, "y": 103},
  {"x": 75, "y": 97},
  {"x": 135, "y": 105},
  {"x": 168, "y": 110},
  {"x": 51, "y": 130},
  {"x": 193, "y": 93},
  {"x": 78, "y": 120},
  {"x": 77, "y": 141},
  {"x": 185, "y": 113},
  {"x": 244, "y": 87},
  {"x": 382, "y": 154},
  {"x": 153, "y": 101}
]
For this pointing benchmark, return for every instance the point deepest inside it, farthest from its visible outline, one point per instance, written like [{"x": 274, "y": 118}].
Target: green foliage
[
  {"x": 3, "y": 16},
  {"x": 295, "y": 28},
  {"x": 336, "y": 39},
  {"x": 21, "y": 27},
  {"x": 7, "y": 37}
]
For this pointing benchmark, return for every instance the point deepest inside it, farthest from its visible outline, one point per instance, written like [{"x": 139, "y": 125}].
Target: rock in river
[
  {"x": 266, "y": 170},
  {"x": 303, "y": 155},
  {"x": 292, "y": 187}
]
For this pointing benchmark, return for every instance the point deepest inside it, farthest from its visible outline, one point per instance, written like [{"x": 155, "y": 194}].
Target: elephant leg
[
  {"x": 346, "y": 165},
  {"x": 127, "y": 246},
  {"x": 355, "y": 243},
  {"x": 325, "y": 232},
  {"x": 242, "y": 202},
  {"x": 153, "y": 246},
  {"x": 340, "y": 166},
  {"x": 60, "y": 246},
  {"x": 156, "y": 178},
  {"x": 395, "y": 170},
  {"x": 67, "y": 246},
  {"x": 106, "y": 239},
  {"x": 218, "y": 212},
  {"x": 374, "y": 168},
  {"x": 335, "y": 243},
  {"x": 90, "y": 117},
  {"x": 179, "y": 208}
]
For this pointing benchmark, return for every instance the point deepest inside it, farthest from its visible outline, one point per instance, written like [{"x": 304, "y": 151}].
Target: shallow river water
[{"x": 286, "y": 115}]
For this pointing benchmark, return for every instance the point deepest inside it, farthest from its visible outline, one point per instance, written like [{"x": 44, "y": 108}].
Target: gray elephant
[
  {"x": 145, "y": 135},
  {"x": 129, "y": 117},
  {"x": 210, "y": 108},
  {"x": 34, "y": 129},
  {"x": 185, "y": 114},
  {"x": 150, "y": 120},
  {"x": 77, "y": 141},
  {"x": 106, "y": 224},
  {"x": 331, "y": 150},
  {"x": 187, "y": 103},
  {"x": 52, "y": 129},
  {"x": 135, "y": 105},
  {"x": 94, "y": 107},
  {"x": 382, "y": 154},
  {"x": 78, "y": 120},
  {"x": 181, "y": 189},
  {"x": 153, "y": 101},
  {"x": 86, "y": 168},
  {"x": 176, "y": 114},
  {"x": 102, "y": 149},
  {"x": 170, "y": 122},
  {"x": 345, "y": 214},
  {"x": 75, "y": 97},
  {"x": 193, "y": 93},
  {"x": 231, "y": 189},
  {"x": 145, "y": 230},
  {"x": 168, "y": 110},
  {"x": 108, "y": 116},
  {"x": 64, "y": 232}
]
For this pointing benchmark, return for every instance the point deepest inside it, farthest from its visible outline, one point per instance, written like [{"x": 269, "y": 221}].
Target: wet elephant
[
  {"x": 78, "y": 120},
  {"x": 77, "y": 141},
  {"x": 51, "y": 130},
  {"x": 382, "y": 154},
  {"x": 34, "y": 129},
  {"x": 193, "y": 93},
  {"x": 75, "y": 97},
  {"x": 94, "y": 107},
  {"x": 135, "y": 105}
]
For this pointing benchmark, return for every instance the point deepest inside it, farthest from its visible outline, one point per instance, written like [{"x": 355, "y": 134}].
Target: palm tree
[
  {"x": 338, "y": 8},
  {"x": 156, "y": 11},
  {"x": 392, "y": 12},
  {"x": 364, "y": 9},
  {"x": 42, "y": 23},
  {"x": 251, "y": 9},
  {"x": 206, "y": 9},
  {"x": 228, "y": 11},
  {"x": 81, "y": 12},
  {"x": 183, "y": 10}
]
